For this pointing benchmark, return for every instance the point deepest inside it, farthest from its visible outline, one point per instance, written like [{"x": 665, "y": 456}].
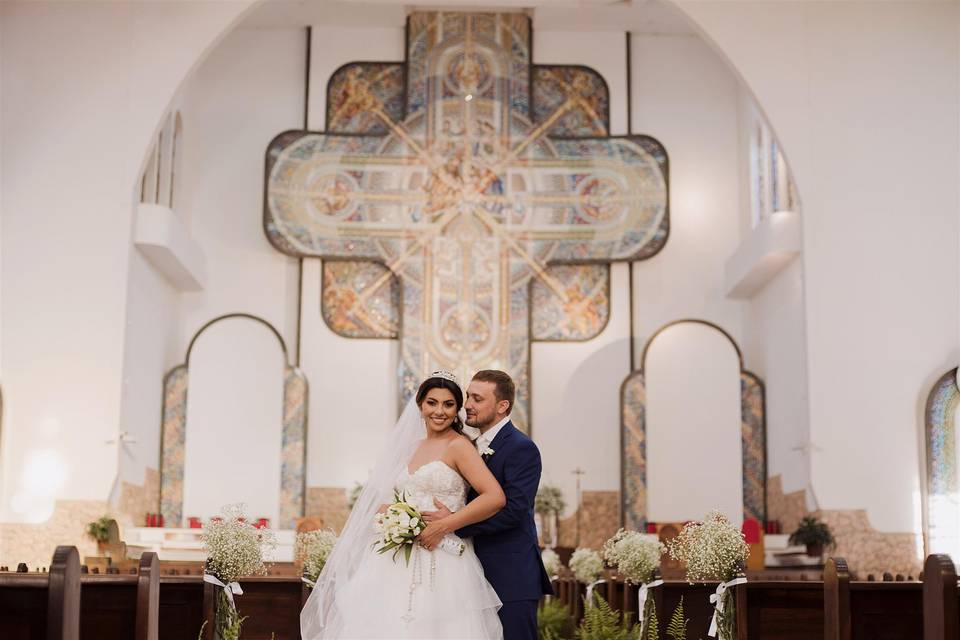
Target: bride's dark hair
[{"x": 449, "y": 385}]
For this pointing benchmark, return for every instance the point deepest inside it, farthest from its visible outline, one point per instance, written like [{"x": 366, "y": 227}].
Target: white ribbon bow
[
  {"x": 644, "y": 588},
  {"x": 230, "y": 589},
  {"x": 308, "y": 581},
  {"x": 719, "y": 602},
  {"x": 590, "y": 588}
]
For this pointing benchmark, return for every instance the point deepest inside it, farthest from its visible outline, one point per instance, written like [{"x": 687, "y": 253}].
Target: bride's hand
[
  {"x": 441, "y": 512},
  {"x": 432, "y": 535},
  {"x": 382, "y": 508}
]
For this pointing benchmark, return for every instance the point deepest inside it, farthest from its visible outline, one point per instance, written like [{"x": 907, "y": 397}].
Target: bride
[{"x": 361, "y": 594}]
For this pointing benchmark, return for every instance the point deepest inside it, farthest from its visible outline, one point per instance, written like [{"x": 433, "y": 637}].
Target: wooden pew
[
  {"x": 43, "y": 606},
  {"x": 869, "y": 610},
  {"x": 121, "y": 606},
  {"x": 781, "y": 609},
  {"x": 272, "y": 605},
  {"x": 941, "y": 613},
  {"x": 186, "y": 602}
]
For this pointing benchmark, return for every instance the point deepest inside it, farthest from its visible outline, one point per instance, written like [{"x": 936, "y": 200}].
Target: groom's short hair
[{"x": 504, "y": 388}]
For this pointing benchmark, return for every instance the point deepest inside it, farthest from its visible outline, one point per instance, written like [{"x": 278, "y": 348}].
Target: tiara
[{"x": 446, "y": 375}]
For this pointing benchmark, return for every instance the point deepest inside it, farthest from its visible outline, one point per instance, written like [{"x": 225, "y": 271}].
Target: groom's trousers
[{"x": 519, "y": 619}]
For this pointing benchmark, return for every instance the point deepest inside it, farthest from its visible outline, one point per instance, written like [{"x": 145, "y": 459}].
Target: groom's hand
[{"x": 441, "y": 512}]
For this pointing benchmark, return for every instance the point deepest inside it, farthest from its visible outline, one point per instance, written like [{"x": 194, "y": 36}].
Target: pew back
[{"x": 43, "y": 606}]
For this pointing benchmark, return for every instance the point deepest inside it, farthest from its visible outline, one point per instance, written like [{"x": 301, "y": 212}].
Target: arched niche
[
  {"x": 943, "y": 498},
  {"x": 635, "y": 416},
  {"x": 232, "y": 385}
]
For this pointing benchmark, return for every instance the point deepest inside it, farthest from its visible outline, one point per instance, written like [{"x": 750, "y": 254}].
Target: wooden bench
[
  {"x": 941, "y": 613},
  {"x": 781, "y": 609},
  {"x": 272, "y": 605},
  {"x": 43, "y": 606},
  {"x": 122, "y": 606},
  {"x": 869, "y": 610},
  {"x": 186, "y": 602}
]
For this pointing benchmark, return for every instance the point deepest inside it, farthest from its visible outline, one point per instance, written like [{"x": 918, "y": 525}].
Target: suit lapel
[{"x": 502, "y": 436}]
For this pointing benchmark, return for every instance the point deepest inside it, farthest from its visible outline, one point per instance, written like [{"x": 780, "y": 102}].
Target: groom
[{"x": 506, "y": 543}]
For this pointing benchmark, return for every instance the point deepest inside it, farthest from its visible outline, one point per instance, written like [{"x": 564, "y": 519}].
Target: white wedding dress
[{"x": 437, "y": 596}]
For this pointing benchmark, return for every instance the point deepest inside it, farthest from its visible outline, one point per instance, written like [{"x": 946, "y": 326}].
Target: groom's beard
[{"x": 481, "y": 423}]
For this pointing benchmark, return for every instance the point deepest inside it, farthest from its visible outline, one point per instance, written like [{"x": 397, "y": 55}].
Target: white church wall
[
  {"x": 234, "y": 421},
  {"x": 151, "y": 348},
  {"x": 692, "y": 380},
  {"x": 775, "y": 346},
  {"x": 247, "y": 91},
  {"x": 91, "y": 82},
  {"x": 353, "y": 394},
  {"x": 575, "y": 404},
  {"x": 685, "y": 96},
  {"x": 880, "y": 231}
]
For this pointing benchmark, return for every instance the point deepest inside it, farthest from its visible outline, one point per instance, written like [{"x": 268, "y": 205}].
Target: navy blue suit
[{"x": 506, "y": 543}]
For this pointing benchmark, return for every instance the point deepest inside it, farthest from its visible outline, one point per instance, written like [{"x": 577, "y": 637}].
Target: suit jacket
[{"x": 506, "y": 543}]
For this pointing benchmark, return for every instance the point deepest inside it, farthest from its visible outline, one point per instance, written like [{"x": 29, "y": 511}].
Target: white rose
[{"x": 414, "y": 521}]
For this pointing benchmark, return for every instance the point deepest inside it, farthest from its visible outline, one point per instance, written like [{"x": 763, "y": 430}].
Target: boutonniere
[{"x": 486, "y": 452}]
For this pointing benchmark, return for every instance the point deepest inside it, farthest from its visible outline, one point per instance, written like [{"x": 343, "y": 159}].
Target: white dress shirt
[{"x": 486, "y": 438}]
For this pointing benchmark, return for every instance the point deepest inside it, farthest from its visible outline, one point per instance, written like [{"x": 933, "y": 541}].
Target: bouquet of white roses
[{"x": 400, "y": 524}]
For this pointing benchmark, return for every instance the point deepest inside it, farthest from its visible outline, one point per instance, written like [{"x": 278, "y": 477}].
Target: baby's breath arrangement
[
  {"x": 587, "y": 565},
  {"x": 234, "y": 549},
  {"x": 313, "y": 549},
  {"x": 549, "y": 500},
  {"x": 713, "y": 550},
  {"x": 634, "y": 556},
  {"x": 551, "y": 562},
  {"x": 637, "y": 558},
  {"x": 234, "y": 546}
]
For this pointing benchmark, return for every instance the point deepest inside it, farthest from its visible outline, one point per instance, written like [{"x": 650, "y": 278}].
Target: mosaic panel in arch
[
  {"x": 582, "y": 315},
  {"x": 633, "y": 481},
  {"x": 293, "y": 452},
  {"x": 293, "y": 446},
  {"x": 943, "y": 510},
  {"x": 173, "y": 441},
  {"x": 754, "y": 446},
  {"x": 360, "y": 299},
  {"x": 469, "y": 196}
]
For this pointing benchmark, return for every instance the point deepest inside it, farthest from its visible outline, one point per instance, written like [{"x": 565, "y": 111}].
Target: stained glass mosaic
[{"x": 492, "y": 172}]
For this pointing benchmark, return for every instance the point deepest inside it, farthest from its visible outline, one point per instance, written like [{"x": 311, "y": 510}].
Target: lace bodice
[{"x": 434, "y": 479}]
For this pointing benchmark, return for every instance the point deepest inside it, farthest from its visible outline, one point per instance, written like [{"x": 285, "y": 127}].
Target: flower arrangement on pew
[
  {"x": 637, "y": 558},
  {"x": 313, "y": 549},
  {"x": 714, "y": 550},
  {"x": 587, "y": 566},
  {"x": 234, "y": 549},
  {"x": 549, "y": 504},
  {"x": 551, "y": 562}
]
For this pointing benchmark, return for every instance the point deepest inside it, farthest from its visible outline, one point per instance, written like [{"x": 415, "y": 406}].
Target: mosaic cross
[{"x": 466, "y": 200}]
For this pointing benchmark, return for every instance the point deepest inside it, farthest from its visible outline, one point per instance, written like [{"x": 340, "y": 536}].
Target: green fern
[
  {"x": 554, "y": 621},
  {"x": 601, "y": 622},
  {"x": 652, "y": 632},
  {"x": 677, "y": 629}
]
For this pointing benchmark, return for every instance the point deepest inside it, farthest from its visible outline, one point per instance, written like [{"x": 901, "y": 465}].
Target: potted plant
[
  {"x": 99, "y": 530},
  {"x": 814, "y": 534}
]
